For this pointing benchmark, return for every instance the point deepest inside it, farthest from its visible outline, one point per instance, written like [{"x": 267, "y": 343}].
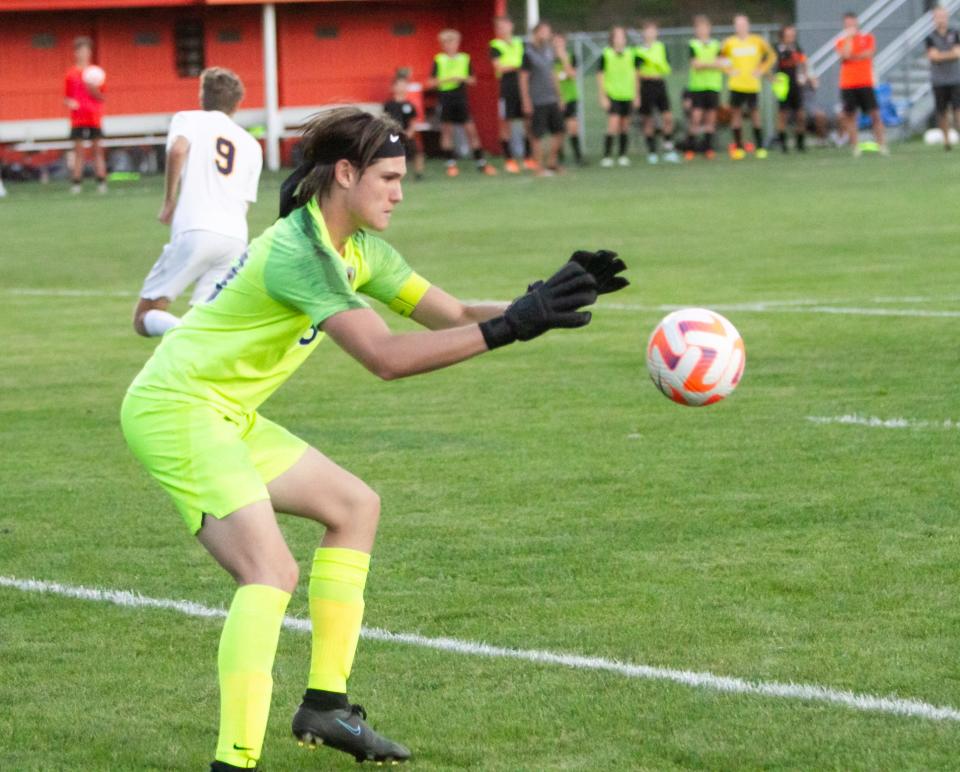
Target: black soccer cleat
[
  {"x": 345, "y": 729},
  {"x": 222, "y": 766}
]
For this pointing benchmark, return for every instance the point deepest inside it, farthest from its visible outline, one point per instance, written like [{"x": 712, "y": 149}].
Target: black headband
[{"x": 392, "y": 147}]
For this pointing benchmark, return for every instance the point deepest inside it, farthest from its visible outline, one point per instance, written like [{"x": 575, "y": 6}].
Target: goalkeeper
[{"x": 191, "y": 415}]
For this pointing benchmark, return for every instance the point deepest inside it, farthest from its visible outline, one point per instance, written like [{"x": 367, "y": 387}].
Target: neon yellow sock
[
  {"x": 336, "y": 612},
  {"x": 245, "y": 662}
]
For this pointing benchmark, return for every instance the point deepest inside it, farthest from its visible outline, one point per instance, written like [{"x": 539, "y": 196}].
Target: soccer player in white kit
[{"x": 215, "y": 164}]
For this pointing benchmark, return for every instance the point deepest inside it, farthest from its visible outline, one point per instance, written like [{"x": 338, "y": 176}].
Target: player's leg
[
  {"x": 668, "y": 127},
  {"x": 249, "y": 546},
  {"x": 555, "y": 127},
  {"x": 709, "y": 131},
  {"x": 757, "y": 125},
  {"x": 879, "y": 131},
  {"x": 446, "y": 146},
  {"x": 504, "y": 130},
  {"x": 537, "y": 130},
  {"x": 800, "y": 128},
  {"x": 198, "y": 455},
  {"x": 194, "y": 256},
  {"x": 783, "y": 111},
  {"x": 613, "y": 124},
  {"x": 479, "y": 157},
  {"x": 736, "y": 122},
  {"x": 99, "y": 163},
  {"x": 624, "y": 131},
  {"x": 694, "y": 142},
  {"x": 650, "y": 133},
  {"x": 76, "y": 173},
  {"x": 316, "y": 488},
  {"x": 573, "y": 131}
]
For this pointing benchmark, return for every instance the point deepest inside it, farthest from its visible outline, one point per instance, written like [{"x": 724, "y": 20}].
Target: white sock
[{"x": 157, "y": 322}]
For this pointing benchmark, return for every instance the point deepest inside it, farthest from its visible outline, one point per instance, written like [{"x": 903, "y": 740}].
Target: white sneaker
[
  {"x": 671, "y": 157},
  {"x": 102, "y": 188},
  {"x": 884, "y": 151},
  {"x": 623, "y": 161},
  {"x": 607, "y": 163},
  {"x": 857, "y": 151},
  {"x": 653, "y": 158},
  {"x": 76, "y": 188}
]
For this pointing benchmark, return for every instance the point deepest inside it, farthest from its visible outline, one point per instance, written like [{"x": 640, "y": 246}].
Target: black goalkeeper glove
[
  {"x": 604, "y": 266},
  {"x": 547, "y": 305}
]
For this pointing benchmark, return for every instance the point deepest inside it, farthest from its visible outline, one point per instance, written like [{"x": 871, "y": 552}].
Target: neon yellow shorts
[{"x": 209, "y": 461}]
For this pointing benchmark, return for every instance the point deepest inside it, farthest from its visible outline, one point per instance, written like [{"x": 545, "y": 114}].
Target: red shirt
[
  {"x": 856, "y": 73},
  {"x": 90, "y": 112}
]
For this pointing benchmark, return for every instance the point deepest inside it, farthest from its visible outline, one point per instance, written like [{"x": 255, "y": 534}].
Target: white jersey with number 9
[{"x": 220, "y": 176}]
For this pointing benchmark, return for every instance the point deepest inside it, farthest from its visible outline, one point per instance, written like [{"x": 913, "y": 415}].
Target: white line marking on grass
[
  {"x": 791, "y": 308},
  {"x": 698, "y": 680},
  {"x": 62, "y": 292},
  {"x": 884, "y": 423},
  {"x": 803, "y": 306}
]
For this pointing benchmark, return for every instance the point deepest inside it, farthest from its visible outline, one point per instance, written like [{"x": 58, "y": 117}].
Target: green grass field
[{"x": 544, "y": 496}]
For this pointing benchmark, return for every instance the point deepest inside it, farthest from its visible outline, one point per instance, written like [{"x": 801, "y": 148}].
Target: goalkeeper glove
[
  {"x": 552, "y": 304},
  {"x": 604, "y": 266}
]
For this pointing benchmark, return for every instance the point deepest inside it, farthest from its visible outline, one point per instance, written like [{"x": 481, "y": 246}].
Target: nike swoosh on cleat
[
  {"x": 354, "y": 730},
  {"x": 241, "y": 748}
]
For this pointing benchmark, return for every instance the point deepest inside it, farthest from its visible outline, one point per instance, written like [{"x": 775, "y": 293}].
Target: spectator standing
[
  {"x": 506, "y": 53},
  {"x": 793, "y": 74},
  {"x": 943, "y": 51},
  {"x": 541, "y": 98},
  {"x": 704, "y": 86},
  {"x": 654, "y": 98},
  {"x": 84, "y": 97},
  {"x": 403, "y": 111},
  {"x": 856, "y": 50},
  {"x": 619, "y": 95},
  {"x": 566, "y": 67},
  {"x": 452, "y": 73},
  {"x": 750, "y": 59}
]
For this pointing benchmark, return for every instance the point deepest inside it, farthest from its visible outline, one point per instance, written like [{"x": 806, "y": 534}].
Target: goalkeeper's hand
[
  {"x": 546, "y": 305},
  {"x": 604, "y": 266}
]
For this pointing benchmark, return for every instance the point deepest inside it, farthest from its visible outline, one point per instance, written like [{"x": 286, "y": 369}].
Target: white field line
[
  {"x": 699, "y": 680},
  {"x": 884, "y": 423},
  {"x": 759, "y": 307}
]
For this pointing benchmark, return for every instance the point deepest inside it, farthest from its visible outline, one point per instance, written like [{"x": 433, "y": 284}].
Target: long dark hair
[{"x": 344, "y": 133}]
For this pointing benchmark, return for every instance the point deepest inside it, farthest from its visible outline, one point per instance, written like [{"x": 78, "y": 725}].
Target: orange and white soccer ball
[{"x": 695, "y": 357}]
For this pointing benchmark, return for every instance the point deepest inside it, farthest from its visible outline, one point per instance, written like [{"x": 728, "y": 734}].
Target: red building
[{"x": 292, "y": 56}]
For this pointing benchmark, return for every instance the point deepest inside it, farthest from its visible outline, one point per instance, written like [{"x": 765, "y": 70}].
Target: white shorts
[{"x": 200, "y": 257}]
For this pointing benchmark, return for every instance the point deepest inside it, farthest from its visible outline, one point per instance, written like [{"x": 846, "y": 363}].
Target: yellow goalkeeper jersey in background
[{"x": 746, "y": 56}]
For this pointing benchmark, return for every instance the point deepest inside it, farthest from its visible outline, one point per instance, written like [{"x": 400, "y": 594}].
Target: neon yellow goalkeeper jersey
[{"x": 264, "y": 317}]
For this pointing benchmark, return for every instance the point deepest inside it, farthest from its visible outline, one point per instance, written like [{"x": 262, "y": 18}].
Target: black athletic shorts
[
  {"x": 511, "y": 107},
  {"x": 854, "y": 99},
  {"x": 705, "y": 100},
  {"x": 794, "y": 99},
  {"x": 947, "y": 97},
  {"x": 743, "y": 100},
  {"x": 620, "y": 107},
  {"x": 454, "y": 109},
  {"x": 570, "y": 109},
  {"x": 547, "y": 119},
  {"x": 86, "y": 132},
  {"x": 653, "y": 96}
]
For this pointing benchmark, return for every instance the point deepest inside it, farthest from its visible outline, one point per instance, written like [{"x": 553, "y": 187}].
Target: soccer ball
[
  {"x": 94, "y": 76},
  {"x": 695, "y": 357}
]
